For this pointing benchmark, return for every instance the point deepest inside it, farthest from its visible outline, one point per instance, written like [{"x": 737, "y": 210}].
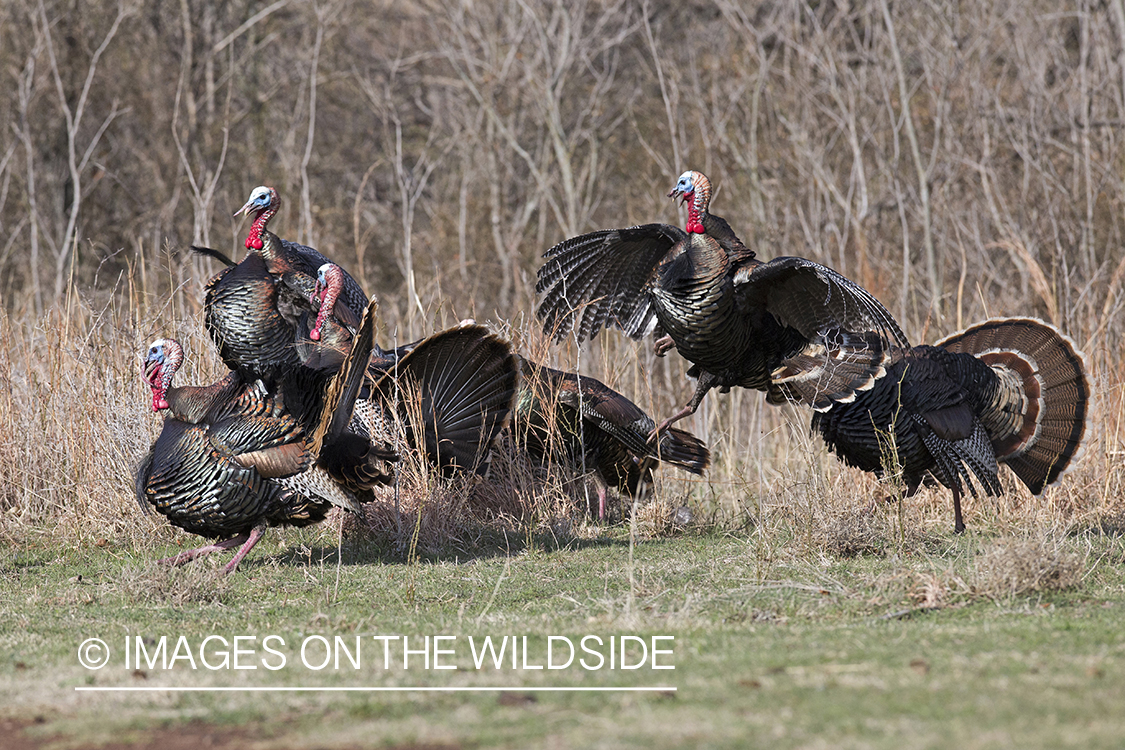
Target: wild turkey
[
  {"x": 257, "y": 311},
  {"x": 285, "y": 256},
  {"x": 1012, "y": 391},
  {"x": 791, "y": 327},
  {"x": 252, "y": 307},
  {"x": 611, "y": 440},
  {"x": 230, "y": 461}
]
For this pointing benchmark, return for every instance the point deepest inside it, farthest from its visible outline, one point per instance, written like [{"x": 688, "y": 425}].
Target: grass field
[{"x": 925, "y": 639}]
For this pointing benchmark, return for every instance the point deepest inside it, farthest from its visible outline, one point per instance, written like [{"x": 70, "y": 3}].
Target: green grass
[{"x": 918, "y": 644}]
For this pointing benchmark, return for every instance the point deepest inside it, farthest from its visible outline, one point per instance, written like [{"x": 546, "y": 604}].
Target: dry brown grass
[
  {"x": 78, "y": 416},
  {"x": 1002, "y": 570},
  {"x": 991, "y": 188}
]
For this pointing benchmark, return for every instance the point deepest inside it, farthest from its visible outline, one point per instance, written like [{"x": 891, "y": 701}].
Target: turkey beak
[
  {"x": 152, "y": 371},
  {"x": 245, "y": 208},
  {"x": 675, "y": 193}
]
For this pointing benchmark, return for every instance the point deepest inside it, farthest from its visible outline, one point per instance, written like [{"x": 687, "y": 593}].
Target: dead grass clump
[
  {"x": 847, "y": 531},
  {"x": 1110, "y": 524},
  {"x": 429, "y": 515},
  {"x": 921, "y": 589},
  {"x": 854, "y": 534},
  {"x": 516, "y": 488},
  {"x": 1017, "y": 567},
  {"x": 197, "y": 583},
  {"x": 660, "y": 517},
  {"x": 422, "y": 512},
  {"x": 937, "y": 589}
]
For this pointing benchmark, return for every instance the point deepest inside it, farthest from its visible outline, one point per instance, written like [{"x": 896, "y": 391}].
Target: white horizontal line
[{"x": 409, "y": 689}]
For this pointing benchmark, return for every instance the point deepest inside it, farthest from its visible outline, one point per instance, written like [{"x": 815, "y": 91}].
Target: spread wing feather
[
  {"x": 601, "y": 279},
  {"x": 821, "y": 304}
]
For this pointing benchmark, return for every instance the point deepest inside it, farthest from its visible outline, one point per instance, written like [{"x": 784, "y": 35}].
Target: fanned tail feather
[
  {"x": 1047, "y": 371},
  {"x": 460, "y": 385}
]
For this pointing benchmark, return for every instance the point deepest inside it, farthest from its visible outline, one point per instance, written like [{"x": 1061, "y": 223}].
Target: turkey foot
[
  {"x": 687, "y": 411},
  {"x": 663, "y": 344}
]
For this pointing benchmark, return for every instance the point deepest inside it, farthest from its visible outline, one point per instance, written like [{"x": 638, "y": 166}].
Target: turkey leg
[
  {"x": 247, "y": 541},
  {"x": 706, "y": 382},
  {"x": 958, "y": 521}
]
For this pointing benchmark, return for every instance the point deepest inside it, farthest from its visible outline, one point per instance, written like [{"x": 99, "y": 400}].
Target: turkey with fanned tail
[
  {"x": 790, "y": 327},
  {"x": 1010, "y": 391}
]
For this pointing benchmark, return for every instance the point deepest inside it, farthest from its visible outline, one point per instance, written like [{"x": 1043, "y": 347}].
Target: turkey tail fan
[
  {"x": 681, "y": 448},
  {"x": 212, "y": 253},
  {"x": 345, "y": 385},
  {"x": 821, "y": 376},
  {"x": 1043, "y": 400},
  {"x": 460, "y": 384}
]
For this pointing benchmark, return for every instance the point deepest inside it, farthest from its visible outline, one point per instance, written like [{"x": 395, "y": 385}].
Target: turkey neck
[
  {"x": 254, "y": 239},
  {"x": 271, "y": 249},
  {"x": 265, "y": 243},
  {"x": 191, "y": 403},
  {"x": 697, "y": 210}
]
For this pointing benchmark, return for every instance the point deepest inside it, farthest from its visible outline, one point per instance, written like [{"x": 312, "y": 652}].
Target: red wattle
[
  {"x": 257, "y": 243},
  {"x": 695, "y": 226}
]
